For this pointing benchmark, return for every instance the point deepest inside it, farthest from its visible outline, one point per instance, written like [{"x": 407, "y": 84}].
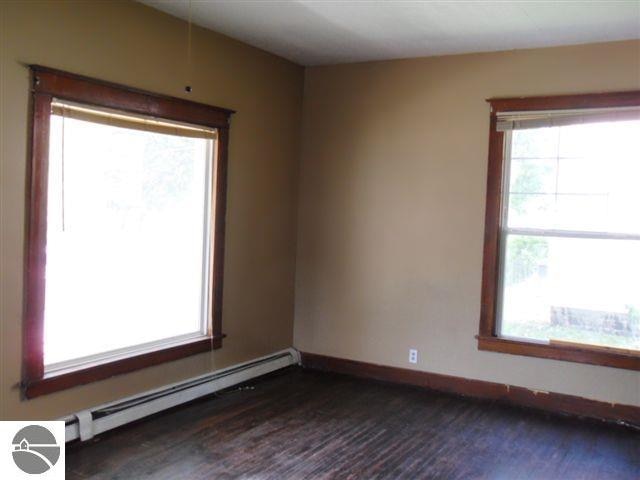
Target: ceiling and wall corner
[{"x": 317, "y": 32}]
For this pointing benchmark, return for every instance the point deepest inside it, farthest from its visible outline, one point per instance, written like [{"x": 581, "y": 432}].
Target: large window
[
  {"x": 125, "y": 235},
  {"x": 562, "y": 252}
]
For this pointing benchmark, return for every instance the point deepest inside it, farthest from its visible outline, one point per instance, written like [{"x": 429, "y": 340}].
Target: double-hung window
[
  {"x": 562, "y": 244},
  {"x": 124, "y": 265}
]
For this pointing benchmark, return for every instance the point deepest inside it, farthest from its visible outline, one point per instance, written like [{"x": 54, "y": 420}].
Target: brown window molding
[
  {"x": 488, "y": 338},
  {"x": 48, "y": 83}
]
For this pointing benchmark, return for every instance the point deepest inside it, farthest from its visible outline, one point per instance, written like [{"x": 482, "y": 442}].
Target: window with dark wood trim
[
  {"x": 59, "y": 99},
  {"x": 537, "y": 116}
]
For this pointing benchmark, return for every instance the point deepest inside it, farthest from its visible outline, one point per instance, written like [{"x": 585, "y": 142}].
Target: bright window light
[
  {"x": 571, "y": 241},
  {"x": 128, "y": 237}
]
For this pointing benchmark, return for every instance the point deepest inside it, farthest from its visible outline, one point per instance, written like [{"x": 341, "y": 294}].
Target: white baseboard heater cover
[{"x": 85, "y": 424}]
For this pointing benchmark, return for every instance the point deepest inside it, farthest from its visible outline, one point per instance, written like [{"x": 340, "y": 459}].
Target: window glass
[
  {"x": 127, "y": 238},
  {"x": 572, "y": 289},
  {"x": 576, "y": 177},
  {"x": 571, "y": 251}
]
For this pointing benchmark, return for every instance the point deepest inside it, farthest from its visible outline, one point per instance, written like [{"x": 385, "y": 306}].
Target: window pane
[
  {"x": 535, "y": 143},
  {"x": 576, "y": 177},
  {"x": 125, "y": 238},
  {"x": 532, "y": 184},
  {"x": 572, "y": 289}
]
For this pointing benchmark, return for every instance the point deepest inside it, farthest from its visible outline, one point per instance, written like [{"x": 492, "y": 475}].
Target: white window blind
[
  {"x": 555, "y": 118},
  {"x": 128, "y": 120}
]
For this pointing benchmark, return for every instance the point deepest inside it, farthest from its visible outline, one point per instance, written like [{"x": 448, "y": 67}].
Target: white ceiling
[{"x": 316, "y": 32}]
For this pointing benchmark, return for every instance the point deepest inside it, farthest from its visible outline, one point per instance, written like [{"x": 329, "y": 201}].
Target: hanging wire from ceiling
[
  {"x": 62, "y": 179},
  {"x": 187, "y": 87}
]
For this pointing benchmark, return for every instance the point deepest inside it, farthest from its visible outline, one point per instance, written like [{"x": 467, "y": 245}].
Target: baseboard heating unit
[{"x": 85, "y": 424}]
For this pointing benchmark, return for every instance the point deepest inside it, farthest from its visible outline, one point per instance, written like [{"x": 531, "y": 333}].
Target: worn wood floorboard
[{"x": 299, "y": 424}]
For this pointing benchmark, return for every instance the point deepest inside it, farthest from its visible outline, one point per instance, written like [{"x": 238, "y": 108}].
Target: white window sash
[{"x": 121, "y": 353}]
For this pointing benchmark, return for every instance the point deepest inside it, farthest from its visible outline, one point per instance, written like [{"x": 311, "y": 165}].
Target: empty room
[{"x": 319, "y": 239}]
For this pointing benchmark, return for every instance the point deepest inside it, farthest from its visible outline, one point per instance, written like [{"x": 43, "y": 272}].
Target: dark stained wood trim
[
  {"x": 548, "y": 401},
  {"x": 487, "y": 335},
  {"x": 220, "y": 209},
  {"x": 48, "y": 83},
  {"x": 491, "y": 257},
  {"x": 91, "y": 91},
  {"x": 581, "y": 354},
  {"x": 54, "y": 383},
  {"x": 573, "y": 101},
  {"x": 36, "y": 248}
]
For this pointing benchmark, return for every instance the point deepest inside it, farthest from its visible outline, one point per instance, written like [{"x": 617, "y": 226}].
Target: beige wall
[
  {"x": 132, "y": 44},
  {"x": 391, "y": 191},
  {"x": 391, "y": 209}
]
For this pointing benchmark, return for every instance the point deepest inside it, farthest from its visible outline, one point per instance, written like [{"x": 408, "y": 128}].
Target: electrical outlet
[{"x": 413, "y": 355}]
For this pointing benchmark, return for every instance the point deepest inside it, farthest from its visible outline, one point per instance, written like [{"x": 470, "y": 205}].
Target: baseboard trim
[{"x": 548, "y": 401}]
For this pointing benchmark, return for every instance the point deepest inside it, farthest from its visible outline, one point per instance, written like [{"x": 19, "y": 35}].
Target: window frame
[
  {"x": 488, "y": 338},
  {"x": 47, "y": 84}
]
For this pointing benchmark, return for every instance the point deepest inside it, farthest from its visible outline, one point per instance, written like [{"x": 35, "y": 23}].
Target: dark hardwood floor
[{"x": 299, "y": 424}]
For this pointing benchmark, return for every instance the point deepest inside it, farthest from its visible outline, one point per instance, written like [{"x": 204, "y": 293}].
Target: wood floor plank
[{"x": 300, "y": 424}]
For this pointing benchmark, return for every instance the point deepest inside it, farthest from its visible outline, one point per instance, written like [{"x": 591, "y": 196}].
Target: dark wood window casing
[
  {"x": 488, "y": 338},
  {"x": 48, "y": 84}
]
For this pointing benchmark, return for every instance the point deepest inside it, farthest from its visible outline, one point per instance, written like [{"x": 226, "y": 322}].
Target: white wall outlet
[{"x": 413, "y": 355}]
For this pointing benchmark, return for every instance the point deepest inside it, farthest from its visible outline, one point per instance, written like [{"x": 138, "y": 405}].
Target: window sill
[
  {"x": 608, "y": 357},
  {"x": 61, "y": 381}
]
